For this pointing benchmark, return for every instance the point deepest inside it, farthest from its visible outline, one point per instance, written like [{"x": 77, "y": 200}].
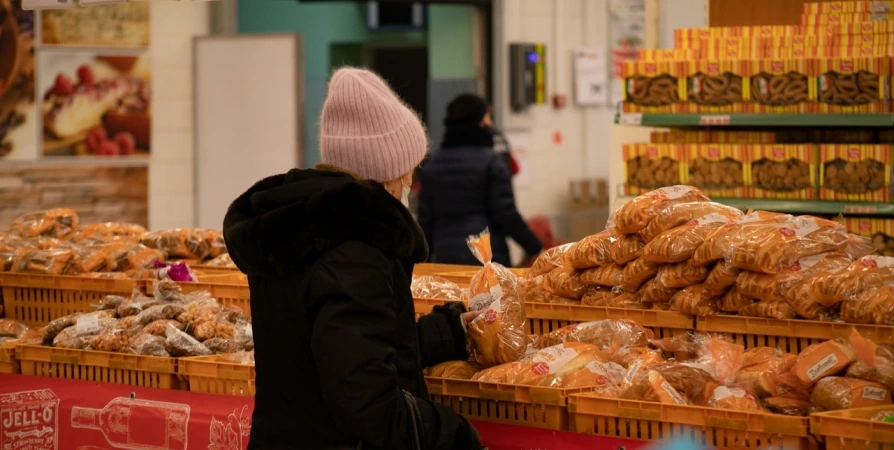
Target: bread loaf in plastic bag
[{"x": 635, "y": 215}]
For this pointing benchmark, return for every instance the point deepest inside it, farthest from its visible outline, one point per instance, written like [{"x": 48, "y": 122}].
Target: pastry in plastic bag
[
  {"x": 531, "y": 290},
  {"x": 178, "y": 343},
  {"x": 159, "y": 312},
  {"x": 636, "y": 273},
  {"x": 627, "y": 300},
  {"x": 110, "y": 231},
  {"x": 439, "y": 288},
  {"x": 167, "y": 290},
  {"x": 771, "y": 248},
  {"x": 654, "y": 291},
  {"x": 777, "y": 309},
  {"x": 114, "y": 339},
  {"x": 823, "y": 360},
  {"x": 591, "y": 251},
  {"x": 47, "y": 262},
  {"x": 609, "y": 335},
  {"x": 696, "y": 301},
  {"x": 680, "y": 243},
  {"x": 874, "y": 306},
  {"x": 107, "y": 275},
  {"x": 549, "y": 260},
  {"x": 636, "y": 214},
  {"x": 719, "y": 243},
  {"x": 598, "y": 296},
  {"x": 6, "y": 260},
  {"x": 201, "y": 307},
  {"x": 224, "y": 260},
  {"x": 497, "y": 335},
  {"x": 831, "y": 288},
  {"x": 681, "y": 275},
  {"x": 180, "y": 243},
  {"x": 112, "y": 302},
  {"x": 859, "y": 246},
  {"x": 148, "y": 345},
  {"x": 136, "y": 305},
  {"x": 733, "y": 301},
  {"x": 214, "y": 239},
  {"x": 58, "y": 223},
  {"x": 160, "y": 327},
  {"x": 222, "y": 345},
  {"x": 721, "y": 278},
  {"x": 609, "y": 275},
  {"x": 636, "y": 358},
  {"x": 455, "y": 370},
  {"x": 773, "y": 287},
  {"x": 564, "y": 282},
  {"x": 606, "y": 379},
  {"x": 11, "y": 243},
  {"x": 55, "y": 326},
  {"x": 677, "y": 214},
  {"x": 651, "y": 386},
  {"x": 672, "y": 383},
  {"x": 787, "y": 406},
  {"x": 141, "y": 257},
  {"x": 80, "y": 334},
  {"x": 761, "y": 369},
  {"x": 546, "y": 367},
  {"x": 734, "y": 398},
  {"x": 12, "y": 328},
  {"x": 626, "y": 248},
  {"x": 834, "y": 393}
]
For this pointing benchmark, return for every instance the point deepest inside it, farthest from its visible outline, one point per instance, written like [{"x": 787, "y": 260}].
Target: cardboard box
[
  {"x": 651, "y": 166},
  {"x": 850, "y": 6},
  {"x": 652, "y": 86},
  {"x": 786, "y": 172},
  {"x": 743, "y": 137},
  {"x": 718, "y": 169},
  {"x": 680, "y": 137},
  {"x": 667, "y": 54},
  {"x": 855, "y": 172},
  {"x": 588, "y": 205},
  {"x": 847, "y": 85},
  {"x": 779, "y": 85},
  {"x": 714, "y": 86},
  {"x": 858, "y": 28},
  {"x": 809, "y": 20}
]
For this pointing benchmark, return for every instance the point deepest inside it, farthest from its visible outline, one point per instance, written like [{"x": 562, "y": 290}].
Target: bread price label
[
  {"x": 674, "y": 395},
  {"x": 554, "y": 358},
  {"x": 871, "y": 393},
  {"x": 88, "y": 324},
  {"x": 819, "y": 369}
]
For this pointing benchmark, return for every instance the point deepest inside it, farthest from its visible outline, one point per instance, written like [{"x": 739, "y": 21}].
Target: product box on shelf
[
  {"x": 667, "y": 54},
  {"x": 808, "y": 20},
  {"x": 681, "y": 137},
  {"x": 856, "y": 28},
  {"x": 651, "y": 166},
  {"x": 652, "y": 87},
  {"x": 718, "y": 169},
  {"x": 742, "y": 137},
  {"x": 714, "y": 86},
  {"x": 881, "y": 230},
  {"x": 716, "y": 48},
  {"x": 779, "y": 85},
  {"x": 855, "y": 172},
  {"x": 847, "y": 85},
  {"x": 849, "y": 6},
  {"x": 782, "y": 171}
]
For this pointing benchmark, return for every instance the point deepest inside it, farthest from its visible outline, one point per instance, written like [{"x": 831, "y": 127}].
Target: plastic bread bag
[
  {"x": 874, "y": 363},
  {"x": 675, "y": 383},
  {"x": 651, "y": 386},
  {"x": 772, "y": 287},
  {"x": 772, "y": 248},
  {"x": 761, "y": 370},
  {"x": 56, "y": 223},
  {"x": 549, "y": 260},
  {"x": 214, "y": 239},
  {"x": 884, "y": 416},
  {"x": 777, "y": 309},
  {"x": 734, "y": 398},
  {"x": 107, "y": 275},
  {"x": 627, "y": 300},
  {"x": 165, "y": 311},
  {"x": 831, "y": 288},
  {"x": 609, "y": 335},
  {"x": 6, "y": 261},
  {"x": 110, "y": 231},
  {"x": 718, "y": 244},
  {"x": 179, "y": 243},
  {"x": 10, "y": 242},
  {"x": 677, "y": 214},
  {"x": 114, "y": 339},
  {"x": 636, "y": 358},
  {"x": 636, "y": 273},
  {"x": 111, "y": 302},
  {"x": 178, "y": 343},
  {"x": 609, "y": 275},
  {"x": 86, "y": 327},
  {"x": 695, "y": 301},
  {"x": 564, "y": 282},
  {"x": 834, "y": 393},
  {"x": 635, "y": 215},
  {"x": 200, "y": 306},
  {"x": 874, "y": 306},
  {"x": 148, "y": 345},
  {"x": 455, "y": 370},
  {"x": 787, "y": 406},
  {"x": 224, "y": 260},
  {"x": 546, "y": 367},
  {"x": 822, "y": 360},
  {"x": 654, "y": 291},
  {"x": 591, "y": 251},
  {"x": 680, "y": 243},
  {"x": 598, "y": 296},
  {"x": 859, "y": 246},
  {"x": 531, "y": 290},
  {"x": 626, "y": 248},
  {"x": 46, "y": 262},
  {"x": 721, "y": 278},
  {"x": 56, "y": 326},
  {"x": 137, "y": 304},
  {"x": 681, "y": 275},
  {"x": 606, "y": 379},
  {"x": 160, "y": 327},
  {"x": 439, "y": 288},
  {"x": 222, "y": 345},
  {"x": 733, "y": 301},
  {"x": 142, "y": 257},
  {"x": 12, "y": 328}
]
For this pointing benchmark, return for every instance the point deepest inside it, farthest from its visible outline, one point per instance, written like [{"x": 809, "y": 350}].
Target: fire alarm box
[{"x": 527, "y": 73}]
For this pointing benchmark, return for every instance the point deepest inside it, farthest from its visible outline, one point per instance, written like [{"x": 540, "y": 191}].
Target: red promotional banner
[{"x": 52, "y": 414}]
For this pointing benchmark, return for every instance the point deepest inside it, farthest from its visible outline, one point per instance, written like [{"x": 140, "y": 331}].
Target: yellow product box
[
  {"x": 886, "y": 136},
  {"x": 651, "y": 166},
  {"x": 680, "y": 137},
  {"x": 730, "y": 48},
  {"x": 808, "y": 20},
  {"x": 743, "y": 137},
  {"x": 718, "y": 169},
  {"x": 843, "y": 136},
  {"x": 690, "y": 35},
  {"x": 846, "y": 85},
  {"x": 784, "y": 172},
  {"x": 695, "y": 34},
  {"x": 861, "y": 40},
  {"x": 779, "y": 85},
  {"x": 713, "y": 86},
  {"x": 863, "y": 226},
  {"x": 850, "y": 6},
  {"x": 860, "y": 28},
  {"x": 880, "y": 230},
  {"x": 667, "y": 54},
  {"x": 652, "y": 86},
  {"x": 855, "y": 172}
]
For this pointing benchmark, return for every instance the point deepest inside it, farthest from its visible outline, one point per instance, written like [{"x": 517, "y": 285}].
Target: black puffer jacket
[
  {"x": 329, "y": 262},
  {"x": 467, "y": 187}
]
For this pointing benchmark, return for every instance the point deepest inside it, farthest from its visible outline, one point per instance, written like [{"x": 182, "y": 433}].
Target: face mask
[{"x": 405, "y": 194}]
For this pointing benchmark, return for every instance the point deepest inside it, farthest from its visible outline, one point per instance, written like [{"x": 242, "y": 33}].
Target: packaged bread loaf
[
  {"x": 636, "y": 273},
  {"x": 609, "y": 275},
  {"x": 772, "y": 248},
  {"x": 773, "y": 287},
  {"x": 224, "y": 260},
  {"x": 215, "y": 241},
  {"x": 654, "y": 291},
  {"x": 549, "y": 260},
  {"x": 591, "y": 251},
  {"x": 47, "y": 262},
  {"x": 681, "y": 275},
  {"x": 11, "y": 243},
  {"x": 677, "y": 214},
  {"x": 179, "y": 243},
  {"x": 627, "y": 300},
  {"x": 546, "y": 367},
  {"x": 110, "y": 231},
  {"x": 696, "y": 301},
  {"x": 58, "y": 223},
  {"x": 608, "y": 335},
  {"x": 733, "y": 301},
  {"x": 761, "y": 369},
  {"x": 438, "y": 288},
  {"x": 721, "y": 278},
  {"x": 456, "y": 370},
  {"x": 497, "y": 335},
  {"x": 13, "y": 329},
  {"x": 651, "y": 386},
  {"x": 859, "y": 246},
  {"x": 598, "y": 296},
  {"x": 831, "y": 288},
  {"x": 635, "y": 215},
  {"x": 718, "y": 244},
  {"x": 874, "y": 306},
  {"x": 626, "y": 248},
  {"x": 774, "y": 309},
  {"x": 734, "y": 398},
  {"x": 692, "y": 385},
  {"x": 822, "y": 360},
  {"x": 637, "y": 358},
  {"x": 606, "y": 379},
  {"x": 680, "y": 243},
  {"x": 834, "y": 393},
  {"x": 787, "y": 406},
  {"x": 564, "y": 282}
]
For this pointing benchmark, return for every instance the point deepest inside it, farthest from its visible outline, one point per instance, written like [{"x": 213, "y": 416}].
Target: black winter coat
[
  {"x": 329, "y": 262},
  {"x": 465, "y": 188}
]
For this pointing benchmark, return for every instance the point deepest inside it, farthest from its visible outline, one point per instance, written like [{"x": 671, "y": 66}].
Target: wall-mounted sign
[{"x": 591, "y": 76}]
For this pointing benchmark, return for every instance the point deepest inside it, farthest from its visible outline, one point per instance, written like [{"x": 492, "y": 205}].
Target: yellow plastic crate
[
  {"x": 103, "y": 367},
  {"x": 8, "y": 362},
  {"x": 216, "y": 375},
  {"x": 529, "y": 406},
  {"x": 853, "y": 429},
  {"x": 702, "y": 426},
  {"x": 788, "y": 335}
]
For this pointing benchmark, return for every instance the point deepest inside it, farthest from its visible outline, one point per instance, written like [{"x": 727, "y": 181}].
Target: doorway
[{"x": 406, "y": 70}]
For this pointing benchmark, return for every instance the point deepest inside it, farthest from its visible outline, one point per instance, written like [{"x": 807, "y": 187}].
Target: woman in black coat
[
  {"x": 466, "y": 187},
  {"x": 329, "y": 255}
]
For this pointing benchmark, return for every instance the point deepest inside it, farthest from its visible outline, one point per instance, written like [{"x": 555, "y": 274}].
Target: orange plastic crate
[
  {"x": 216, "y": 375},
  {"x": 709, "y": 427},
  {"x": 229, "y": 289},
  {"x": 464, "y": 277},
  {"x": 103, "y": 367},
  {"x": 38, "y": 299},
  {"x": 544, "y": 318},
  {"x": 530, "y": 406},
  {"x": 788, "y": 335},
  {"x": 8, "y": 362},
  {"x": 853, "y": 429}
]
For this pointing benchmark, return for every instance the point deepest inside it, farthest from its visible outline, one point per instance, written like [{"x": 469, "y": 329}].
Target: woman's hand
[{"x": 468, "y": 317}]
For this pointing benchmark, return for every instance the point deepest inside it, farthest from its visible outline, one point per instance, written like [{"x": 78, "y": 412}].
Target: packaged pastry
[
  {"x": 10, "y": 243},
  {"x": 141, "y": 257},
  {"x": 774, "y": 309},
  {"x": 178, "y": 343},
  {"x": 58, "y": 223},
  {"x": 626, "y": 248},
  {"x": 215, "y": 242},
  {"x": 834, "y": 393},
  {"x": 549, "y": 260},
  {"x": 734, "y": 398},
  {"x": 636, "y": 273},
  {"x": 497, "y": 335},
  {"x": 180, "y": 243},
  {"x": 654, "y": 291},
  {"x": 874, "y": 306},
  {"x": 831, "y": 288},
  {"x": 564, "y": 282},
  {"x": 787, "y": 406},
  {"x": 677, "y": 214},
  {"x": 598, "y": 296},
  {"x": 680, "y": 243},
  {"x": 609, "y": 275},
  {"x": 13, "y": 329},
  {"x": 771, "y": 248},
  {"x": 591, "y": 251},
  {"x": 605, "y": 378},
  {"x": 733, "y": 301},
  {"x": 609, "y": 335},
  {"x": 47, "y": 262},
  {"x": 457, "y": 370},
  {"x": 627, "y": 300},
  {"x": 546, "y": 367},
  {"x": 110, "y": 231},
  {"x": 719, "y": 243},
  {"x": 823, "y": 360},
  {"x": 696, "y": 301},
  {"x": 85, "y": 328},
  {"x": 681, "y": 275},
  {"x": 773, "y": 287},
  {"x": 722, "y": 277},
  {"x": 148, "y": 345},
  {"x": 436, "y": 287},
  {"x": 761, "y": 369},
  {"x": 636, "y": 214},
  {"x": 675, "y": 383},
  {"x": 224, "y": 260},
  {"x": 114, "y": 339},
  {"x": 636, "y": 358}
]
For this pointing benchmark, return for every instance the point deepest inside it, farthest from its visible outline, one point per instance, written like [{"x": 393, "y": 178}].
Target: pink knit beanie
[{"x": 366, "y": 129}]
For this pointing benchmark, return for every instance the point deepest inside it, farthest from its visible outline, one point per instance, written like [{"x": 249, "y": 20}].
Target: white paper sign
[{"x": 591, "y": 76}]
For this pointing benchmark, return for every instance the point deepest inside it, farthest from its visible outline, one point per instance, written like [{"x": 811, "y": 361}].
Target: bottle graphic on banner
[{"x": 156, "y": 425}]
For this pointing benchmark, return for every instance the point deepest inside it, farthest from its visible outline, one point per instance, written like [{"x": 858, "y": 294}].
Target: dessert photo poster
[{"x": 18, "y": 112}]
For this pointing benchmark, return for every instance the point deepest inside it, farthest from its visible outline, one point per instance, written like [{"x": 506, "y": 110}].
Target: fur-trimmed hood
[{"x": 284, "y": 222}]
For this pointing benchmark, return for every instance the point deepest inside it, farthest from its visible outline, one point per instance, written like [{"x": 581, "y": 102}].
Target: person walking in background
[
  {"x": 467, "y": 187},
  {"x": 329, "y": 254}
]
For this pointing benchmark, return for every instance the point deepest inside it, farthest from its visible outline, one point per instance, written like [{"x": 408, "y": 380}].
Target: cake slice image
[{"x": 83, "y": 109}]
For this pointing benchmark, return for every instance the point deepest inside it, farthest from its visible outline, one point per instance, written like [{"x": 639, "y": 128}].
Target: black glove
[{"x": 466, "y": 437}]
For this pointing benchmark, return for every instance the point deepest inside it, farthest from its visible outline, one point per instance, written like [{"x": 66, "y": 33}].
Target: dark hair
[{"x": 467, "y": 109}]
